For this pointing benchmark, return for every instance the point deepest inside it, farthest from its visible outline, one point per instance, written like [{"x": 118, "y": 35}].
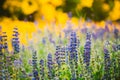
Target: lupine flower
[
  {"x": 35, "y": 74},
  {"x": 15, "y": 41},
  {"x": 84, "y": 30},
  {"x": 94, "y": 36},
  {"x": 73, "y": 54},
  {"x": 34, "y": 60},
  {"x": 73, "y": 45},
  {"x": 42, "y": 69},
  {"x": 50, "y": 66},
  {"x": 107, "y": 64},
  {"x": 4, "y": 39},
  {"x": 57, "y": 55},
  {"x": 106, "y": 28},
  {"x": 100, "y": 33},
  {"x": 43, "y": 40},
  {"x": 70, "y": 14},
  {"x": 62, "y": 55},
  {"x": 116, "y": 33},
  {"x": 1, "y": 45},
  {"x": 17, "y": 63},
  {"x": 87, "y": 49},
  {"x": 68, "y": 30}
]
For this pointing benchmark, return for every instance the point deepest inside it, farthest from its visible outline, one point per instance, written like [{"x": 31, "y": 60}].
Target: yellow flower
[
  {"x": 48, "y": 11},
  {"x": 56, "y": 2},
  {"x": 61, "y": 17},
  {"x": 86, "y": 3},
  {"x": 106, "y": 7},
  {"x": 75, "y": 22},
  {"x": 29, "y": 6},
  {"x": 115, "y": 13},
  {"x": 12, "y": 6},
  {"x": 43, "y": 1}
]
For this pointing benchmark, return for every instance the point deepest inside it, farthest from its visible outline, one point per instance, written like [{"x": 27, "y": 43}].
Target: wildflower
[
  {"x": 116, "y": 33},
  {"x": 73, "y": 54},
  {"x": 42, "y": 69},
  {"x": 15, "y": 41},
  {"x": 43, "y": 40},
  {"x": 35, "y": 74},
  {"x": 57, "y": 55},
  {"x": 50, "y": 66},
  {"x": 34, "y": 60},
  {"x": 62, "y": 55},
  {"x": 4, "y": 40},
  {"x": 29, "y": 7},
  {"x": 107, "y": 64},
  {"x": 87, "y": 49}
]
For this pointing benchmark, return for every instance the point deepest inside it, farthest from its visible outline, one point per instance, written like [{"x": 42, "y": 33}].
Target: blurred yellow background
[{"x": 31, "y": 16}]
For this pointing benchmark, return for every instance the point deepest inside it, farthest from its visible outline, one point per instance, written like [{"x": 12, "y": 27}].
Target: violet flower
[{"x": 87, "y": 50}]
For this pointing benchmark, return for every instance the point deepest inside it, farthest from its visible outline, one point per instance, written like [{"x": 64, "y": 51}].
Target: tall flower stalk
[
  {"x": 87, "y": 50},
  {"x": 73, "y": 55},
  {"x": 42, "y": 73},
  {"x": 50, "y": 66},
  {"x": 106, "y": 64},
  {"x": 15, "y": 41},
  {"x": 34, "y": 63}
]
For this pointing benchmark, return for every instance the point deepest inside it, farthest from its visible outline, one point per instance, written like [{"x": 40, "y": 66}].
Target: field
[{"x": 81, "y": 54}]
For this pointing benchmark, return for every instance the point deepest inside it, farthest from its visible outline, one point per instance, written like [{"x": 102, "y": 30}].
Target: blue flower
[
  {"x": 15, "y": 41},
  {"x": 87, "y": 49}
]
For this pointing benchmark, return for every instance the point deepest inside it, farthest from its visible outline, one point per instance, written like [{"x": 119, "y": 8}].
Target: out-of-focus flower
[
  {"x": 57, "y": 55},
  {"x": 12, "y": 6},
  {"x": 29, "y": 6},
  {"x": 114, "y": 14},
  {"x": 42, "y": 73},
  {"x": 107, "y": 64},
  {"x": 15, "y": 41},
  {"x": 42, "y": 2},
  {"x": 50, "y": 66},
  {"x": 87, "y": 50},
  {"x": 17, "y": 63},
  {"x": 116, "y": 33},
  {"x": 106, "y": 7},
  {"x": 48, "y": 11},
  {"x": 56, "y": 2},
  {"x": 85, "y": 3},
  {"x": 61, "y": 17}
]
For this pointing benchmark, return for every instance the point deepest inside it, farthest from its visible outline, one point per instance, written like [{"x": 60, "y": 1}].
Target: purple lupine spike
[
  {"x": 15, "y": 41},
  {"x": 42, "y": 69},
  {"x": 4, "y": 40},
  {"x": 100, "y": 33},
  {"x": 73, "y": 46},
  {"x": 73, "y": 54},
  {"x": 106, "y": 28},
  {"x": 87, "y": 49},
  {"x": 34, "y": 60},
  {"x": 70, "y": 14},
  {"x": 94, "y": 36},
  {"x": 50, "y": 66},
  {"x": 34, "y": 64},
  {"x": 43, "y": 40},
  {"x": 57, "y": 55},
  {"x": 62, "y": 55},
  {"x": 1, "y": 45},
  {"x": 107, "y": 64},
  {"x": 35, "y": 74},
  {"x": 116, "y": 33}
]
